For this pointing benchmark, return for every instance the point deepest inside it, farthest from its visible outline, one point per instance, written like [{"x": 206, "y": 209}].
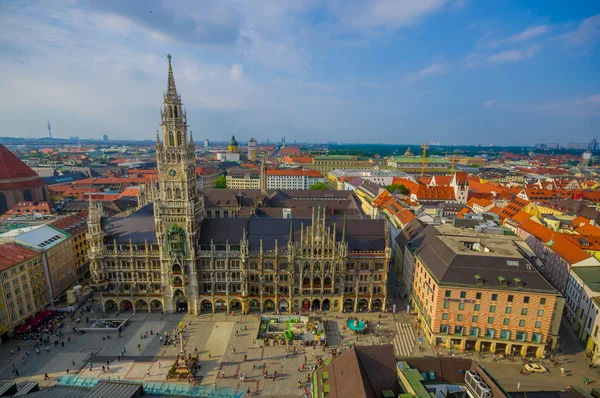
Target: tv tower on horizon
[{"x": 49, "y": 129}]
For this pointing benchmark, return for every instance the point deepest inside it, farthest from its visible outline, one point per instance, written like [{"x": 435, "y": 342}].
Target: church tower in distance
[{"x": 178, "y": 210}]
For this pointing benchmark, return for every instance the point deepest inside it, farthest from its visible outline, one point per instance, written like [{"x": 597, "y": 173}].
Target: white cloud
[
  {"x": 432, "y": 70},
  {"x": 530, "y": 33},
  {"x": 390, "y": 14},
  {"x": 514, "y": 55},
  {"x": 587, "y": 33},
  {"x": 595, "y": 99},
  {"x": 236, "y": 71},
  {"x": 488, "y": 104}
]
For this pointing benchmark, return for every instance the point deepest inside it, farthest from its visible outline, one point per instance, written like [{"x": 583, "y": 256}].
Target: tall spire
[
  {"x": 291, "y": 237},
  {"x": 171, "y": 95}
]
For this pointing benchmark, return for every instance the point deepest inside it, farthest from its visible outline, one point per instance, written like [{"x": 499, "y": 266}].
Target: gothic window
[
  {"x": 350, "y": 267},
  {"x": 317, "y": 267},
  {"x": 283, "y": 265},
  {"x": 175, "y": 112},
  {"x": 337, "y": 267},
  {"x": 170, "y": 111},
  {"x": 327, "y": 267},
  {"x": 169, "y": 193},
  {"x": 306, "y": 267},
  {"x": 177, "y": 193},
  {"x": 168, "y": 158},
  {"x": 171, "y": 139}
]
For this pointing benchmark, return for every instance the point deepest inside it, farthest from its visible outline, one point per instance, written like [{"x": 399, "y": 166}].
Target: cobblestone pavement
[{"x": 214, "y": 337}]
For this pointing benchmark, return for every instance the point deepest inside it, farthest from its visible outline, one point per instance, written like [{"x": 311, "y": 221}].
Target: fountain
[{"x": 356, "y": 325}]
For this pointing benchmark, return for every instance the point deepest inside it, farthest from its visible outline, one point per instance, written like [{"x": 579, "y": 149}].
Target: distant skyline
[{"x": 452, "y": 71}]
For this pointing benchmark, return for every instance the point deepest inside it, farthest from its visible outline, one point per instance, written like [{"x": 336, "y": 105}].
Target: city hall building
[{"x": 167, "y": 255}]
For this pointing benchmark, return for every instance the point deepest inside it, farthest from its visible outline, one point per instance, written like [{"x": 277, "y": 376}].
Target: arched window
[
  {"x": 177, "y": 193},
  {"x": 27, "y": 195},
  {"x": 171, "y": 139},
  {"x": 170, "y": 111},
  {"x": 168, "y": 158},
  {"x": 169, "y": 193},
  {"x": 175, "y": 112}
]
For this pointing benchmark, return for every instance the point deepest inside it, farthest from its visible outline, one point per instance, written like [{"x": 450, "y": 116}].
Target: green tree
[
  {"x": 397, "y": 187},
  {"x": 319, "y": 186},
  {"x": 221, "y": 182}
]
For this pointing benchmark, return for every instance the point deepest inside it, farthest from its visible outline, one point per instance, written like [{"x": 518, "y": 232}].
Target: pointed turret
[
  {"x": 171, "y": 96},
  {"x": 291, "y": 237}
]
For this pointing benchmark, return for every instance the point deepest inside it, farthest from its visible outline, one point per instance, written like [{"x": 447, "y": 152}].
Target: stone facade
[{"x": 167, "y": 255}]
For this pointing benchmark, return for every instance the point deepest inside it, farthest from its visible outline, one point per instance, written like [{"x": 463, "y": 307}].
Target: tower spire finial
[{"x": 171, "y": 93}]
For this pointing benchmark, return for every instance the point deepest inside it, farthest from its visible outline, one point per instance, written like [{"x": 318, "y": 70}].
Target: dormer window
[
  {"x": 502, "y": 281},
  {"x": 518, "y": 282},
  {"x": 478, "y": 280}
]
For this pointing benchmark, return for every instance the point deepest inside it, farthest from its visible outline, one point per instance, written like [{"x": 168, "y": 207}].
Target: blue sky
[{"x": 390, "y": 71}]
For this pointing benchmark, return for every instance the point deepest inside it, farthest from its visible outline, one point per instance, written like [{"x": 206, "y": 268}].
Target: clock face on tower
[{"x": 172, "y": 173}]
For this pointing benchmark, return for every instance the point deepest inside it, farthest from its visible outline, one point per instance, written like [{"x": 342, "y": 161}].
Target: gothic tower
[
  {"x": 178, "y": 210},
  {"x": 95, "y": 237}
]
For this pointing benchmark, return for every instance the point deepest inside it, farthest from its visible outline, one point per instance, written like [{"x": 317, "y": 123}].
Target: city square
[{"x": 231, "y": 356}]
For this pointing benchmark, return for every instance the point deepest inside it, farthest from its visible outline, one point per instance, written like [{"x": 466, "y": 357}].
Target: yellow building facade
[{"x": 24, "y": 288}]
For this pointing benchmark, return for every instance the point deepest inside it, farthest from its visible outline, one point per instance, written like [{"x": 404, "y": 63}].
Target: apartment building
[
  {"x": 332, "y": 162},
  {"x": 481, "y": 292},
  {"x": 243, "y": 179},
  {"x": 76, "y": 227},
  {"x": 57, "y": 254},
  {"x": 206, "y": 177},
  {"x": 24, "y": 288},
  {"x": 293, "y": 179}
]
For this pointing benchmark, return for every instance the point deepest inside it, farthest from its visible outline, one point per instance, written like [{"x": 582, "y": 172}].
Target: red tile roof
[
  {"x": 496, "y": 210},
  {"x": 300, "y": 159},
  {"x": 14, "y": 174},
  {"x": 588, "y": 230},
  {"x": 405, "y": 216},
  {"x": 23, "y": 208},
  {"x": 520, "y": 217},
  {"x": 461, "y": 177},
  {"x": 440, "y": 180},
  {"x": 290, "y": 150},
  {"x": 538, "y": 230},
  {"x": 435, "y": 193},
  {"x": 462, "y": 212},
  {"x": 579, "y": 221},
  {"x": 513, "y": 207},
  {"x": 205, "y": 170},
  {"x": 73, "y": 225},
  {"x": 569, "y": 251},
  {"x": 130, "y": 191},
  {"x": 409, "y": 184},
  {"x": 12, "y": 254},
  {"x": 479, "y": 201}
]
